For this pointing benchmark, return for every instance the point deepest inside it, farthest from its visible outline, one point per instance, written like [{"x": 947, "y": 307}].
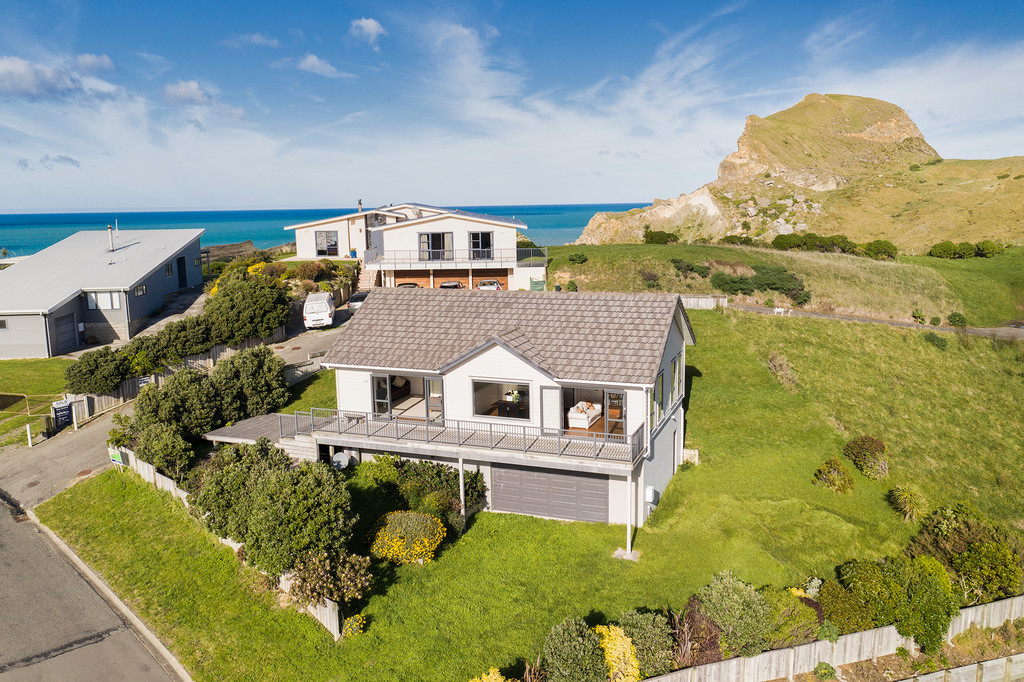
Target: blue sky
[{"x": 144, "y": 105}]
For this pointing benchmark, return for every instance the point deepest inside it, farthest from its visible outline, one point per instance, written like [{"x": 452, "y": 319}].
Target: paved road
[{"x": 54, "y": 625}]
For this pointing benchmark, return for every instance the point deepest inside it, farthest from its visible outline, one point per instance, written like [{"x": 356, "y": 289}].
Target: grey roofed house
[
  {"x": 597, "y": 337},
  {"x": 80, "y": 290}
]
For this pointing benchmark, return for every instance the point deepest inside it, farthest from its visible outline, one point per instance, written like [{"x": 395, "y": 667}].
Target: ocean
[{"x": 25, "y": 234}]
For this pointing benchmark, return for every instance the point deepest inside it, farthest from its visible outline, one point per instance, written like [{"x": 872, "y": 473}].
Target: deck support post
[
  {"x": 462, "y": 489},
  {"x": 629, "y": 512}
]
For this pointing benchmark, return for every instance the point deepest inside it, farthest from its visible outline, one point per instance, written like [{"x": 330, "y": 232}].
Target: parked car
[
  {"x": 356, "y": 300},
  {"x": 318, "y": 310},
  {"x": 451, "y": 284},
  {"x": 489, "y": 284},
  {"x": 408, "y": 285}
]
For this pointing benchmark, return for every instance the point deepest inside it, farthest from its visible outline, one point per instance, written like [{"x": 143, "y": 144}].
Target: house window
[
  {"x": 657, "y": 395},
  {"x": 3, "y": 325},
  {"x": 680, "y": 375},
  {"x": 481, "y": 245},
  {"x": 197, "y": 261},
  {"x": 327, "y": 243},
  {"x": 498, "y": 399},
  {"x": 169, "y": 270},
  {"x": 675, "y": 380},
  {"x": 437, "y": 246},
  {"x": 103, "y": 300},
  {"x": 140, "y": 290}
]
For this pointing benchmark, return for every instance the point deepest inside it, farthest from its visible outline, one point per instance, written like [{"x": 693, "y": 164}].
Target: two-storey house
[
  {"x": 571, "y": 405},
  {"x": 426, "y": 246}
]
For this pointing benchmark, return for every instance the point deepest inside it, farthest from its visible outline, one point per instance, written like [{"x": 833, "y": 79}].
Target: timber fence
[
  {"x": 326, "y": 613},
  {"x": 704, "y": 301},
  {"x": 89, "y": 405},
  {"x": 859, "y": 646}
]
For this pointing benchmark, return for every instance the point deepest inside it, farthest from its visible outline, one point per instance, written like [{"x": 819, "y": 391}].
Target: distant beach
[{"x": 25, "y": 234}]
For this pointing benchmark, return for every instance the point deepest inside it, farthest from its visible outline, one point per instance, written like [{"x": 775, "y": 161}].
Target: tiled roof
[{"x": 599, "y": 337}]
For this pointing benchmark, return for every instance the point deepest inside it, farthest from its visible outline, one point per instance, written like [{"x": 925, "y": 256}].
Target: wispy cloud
[
  {"x": 155, "y": 65},
  {"x": 834, "y": 37},
  {"x": 320, "y": 67},
  {"x": 367, "y": 29},
  {"x": 186, "y": 92},
  {"x": 50, "y": 162},
  {"x": 22, "y": 78},
  {"x": 93, "y": 63},
  {"x": 252, "y": 39}
]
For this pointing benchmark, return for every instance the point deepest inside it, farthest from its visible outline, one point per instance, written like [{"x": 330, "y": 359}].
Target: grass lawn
[
  {"x": 40, "y": 379},
  {"x": 316, "y": 391},
  {"x": 992, "y": 289},
  {"x": 491, "y": 597}
]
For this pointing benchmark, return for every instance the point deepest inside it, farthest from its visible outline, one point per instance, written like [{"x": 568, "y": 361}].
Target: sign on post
[
  {"x": 61, "y": 414},
  {"x": 116, "y": 456}
]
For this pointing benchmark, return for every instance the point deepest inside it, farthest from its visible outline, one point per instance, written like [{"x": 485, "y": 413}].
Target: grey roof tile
[{"x": 601, "y": 337}]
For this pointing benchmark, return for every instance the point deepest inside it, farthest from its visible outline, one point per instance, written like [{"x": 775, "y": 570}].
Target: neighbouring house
[
  {"x": 426, "y": 246},
  {"x": 571, "y": 405},
  {"x": 93, "y": 287}
]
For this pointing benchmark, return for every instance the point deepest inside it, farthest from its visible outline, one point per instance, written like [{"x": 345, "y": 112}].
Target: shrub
[
  {"x": 987, "y": 248},
  {"x": 918, "y": 316},
  {"x": 245, "y": 308},
  {"x": 824, "y": 671},
  {"x": 433, "y": 488},
  {"x": 572, "y": 653},
  {"x": 950, "y": 531},
  {"x": 987, "y": 571},
  {"x": 869, "y": 455},
  {"x": 382, "y": 470},
  {"x": 702, "y": 270},
  {"x": 572, "y": 286},
  {"x": 935, "y": 321},
  {"x": 682, "y": 267},
  {"x": 250, "y": 383},
  {"x": 907, "y": 499},
  {"x": 834, "y": 476},
  {"x": 740, "y": 611},
  {"x": 659, "y": 237},
  {"x": 97, "y": 371},
  {"x": 945, "y": 249},
  {"x": 162, "y": 446},
  {"x": 353, "y": 625},
  {"x": 872, "y": 584},
  {"x": 181, "y": 338},
  {"x": 956, "y": 320},
  {"x": 880, "y": 249},
  {"x": 777, "y": 278},
  {"x": 938, "y": 341},
  {"x": 792, "y": 622},
  {"x": 966, "y": 250},
  {"x": 310, "y": 270},
  {"x": 932, "y": 603},
  {"x": 843, "y": 610},
  {"x": 577, "y": 258},
  {"x": 619, "y": 653},
  {"x": 697, "y": 638},
  {"x": 342, "y": 579},
  {"x": 652, "y": 637},
  {"x": 828, "y": 632},
  {"x": 738, "y": 240},
  {"x": 650, "y": 279},
  {"x": 732, "y": 284},
  {"x": 188, "y": 402},
  {"x": 492, "y": 675},
  {"x": 404, "y": 537}
]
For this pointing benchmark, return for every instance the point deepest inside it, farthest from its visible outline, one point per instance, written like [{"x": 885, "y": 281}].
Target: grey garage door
[
  {"x": 554, "y": 494},
  {"x": 67, "y": 334}
]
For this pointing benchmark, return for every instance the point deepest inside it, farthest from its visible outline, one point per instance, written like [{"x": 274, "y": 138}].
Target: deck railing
[
  {"x": 457, "y": 432},
  {"x": 452, "y": 258}
]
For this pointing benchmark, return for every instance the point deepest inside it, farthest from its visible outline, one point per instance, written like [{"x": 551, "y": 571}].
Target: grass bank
[{"x": 989, "y": 290}]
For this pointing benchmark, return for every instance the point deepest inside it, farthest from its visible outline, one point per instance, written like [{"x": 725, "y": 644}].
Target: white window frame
[
  {"x": 140, "y": 290},
  {"x": 169, "y": 269}
]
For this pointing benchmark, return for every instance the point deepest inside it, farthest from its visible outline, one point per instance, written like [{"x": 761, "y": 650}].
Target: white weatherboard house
[
  {"x": 571, "y": 405},
  {"x": 426, "y": 245},
  {"x": 93, "y": 287}
]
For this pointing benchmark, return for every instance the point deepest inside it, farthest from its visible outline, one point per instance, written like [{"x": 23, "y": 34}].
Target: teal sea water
[{"x": 25, "y": 234}]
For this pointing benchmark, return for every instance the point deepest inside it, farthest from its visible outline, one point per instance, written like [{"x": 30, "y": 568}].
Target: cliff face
[{"x": 784, "y": 164}]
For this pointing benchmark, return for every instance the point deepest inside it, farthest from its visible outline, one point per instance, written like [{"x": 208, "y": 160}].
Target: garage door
[
  {"x": 554, "y": 494},
  {"x": 67, "y": 334}
]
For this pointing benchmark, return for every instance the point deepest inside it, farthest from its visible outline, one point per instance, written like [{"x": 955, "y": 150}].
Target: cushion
[{"x": 399, "y": 382}]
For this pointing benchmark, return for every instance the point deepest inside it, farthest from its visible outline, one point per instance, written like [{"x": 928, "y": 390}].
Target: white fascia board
[{"x": 389, "y": 370}]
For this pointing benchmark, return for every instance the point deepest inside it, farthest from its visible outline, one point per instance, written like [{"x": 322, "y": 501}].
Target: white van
[{"x": 318, "y": 311}]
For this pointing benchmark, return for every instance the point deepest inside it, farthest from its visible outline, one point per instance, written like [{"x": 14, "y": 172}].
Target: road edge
[{"x": 104, "y": 590}]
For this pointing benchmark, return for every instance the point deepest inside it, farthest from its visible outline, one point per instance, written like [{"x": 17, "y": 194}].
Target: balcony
[
  {"x": 381, "y": 431},
  {"x": 432, "y": 259}
]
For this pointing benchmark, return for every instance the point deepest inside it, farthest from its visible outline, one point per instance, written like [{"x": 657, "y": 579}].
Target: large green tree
[
  {"x": 245, "y": 306},
  {"x": 250, "y": 383}
]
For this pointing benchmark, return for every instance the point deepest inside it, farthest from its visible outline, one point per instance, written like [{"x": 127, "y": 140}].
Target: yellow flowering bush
[
  {"x": 404, "y": 537},
  {"x": 353, "y": 626},
  {"x": 491, "y": 675},
  {"x": 619, "y": 654}
]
